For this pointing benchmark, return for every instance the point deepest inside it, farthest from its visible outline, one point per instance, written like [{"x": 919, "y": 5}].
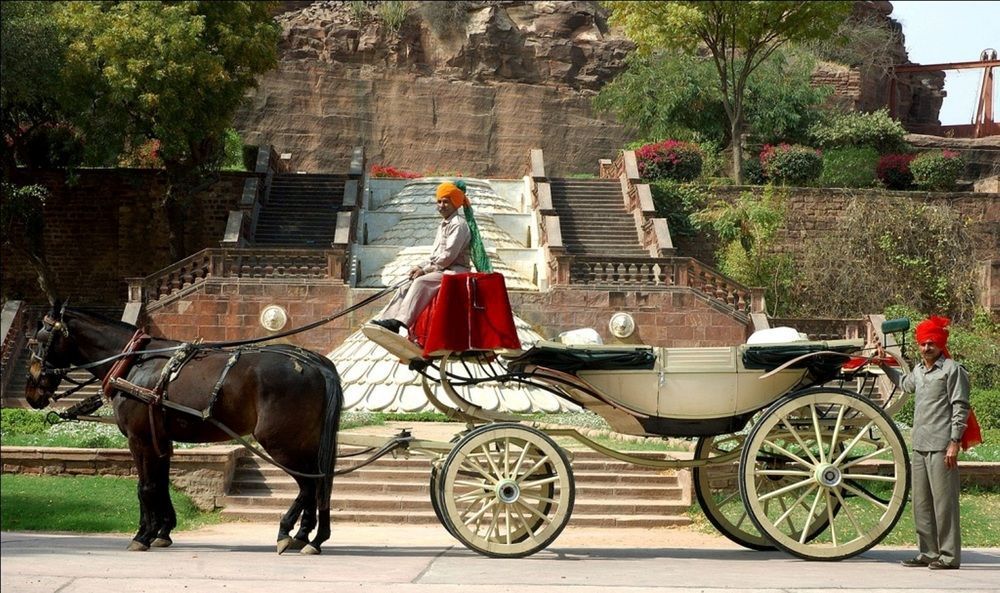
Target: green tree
[
  {"x": 174, "y": 72},
  {"x": 747, "y": 228},
  {"x": 739, "y": 37},
  {"x": 30, "y": 63},
  {"x": 673, "y": 95}
]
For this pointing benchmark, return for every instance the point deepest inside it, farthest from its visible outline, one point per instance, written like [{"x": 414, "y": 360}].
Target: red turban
[{"x": 934, "y": 329}]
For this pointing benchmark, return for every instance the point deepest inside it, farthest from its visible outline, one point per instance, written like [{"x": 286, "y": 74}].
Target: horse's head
[{"x": 50, "y": 350}]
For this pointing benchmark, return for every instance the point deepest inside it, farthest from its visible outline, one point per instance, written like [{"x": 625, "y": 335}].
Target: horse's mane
[{"x": 83, "y": 312}]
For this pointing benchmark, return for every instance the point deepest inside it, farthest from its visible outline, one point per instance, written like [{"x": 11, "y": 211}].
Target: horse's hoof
[
  {"x": 310, "y": 550},
  {"x": 297, "y": 544},
  {"x": 137, "y": 546},
  {"x": 162, "y": 542},
  {"x": 283, "y": 544}
]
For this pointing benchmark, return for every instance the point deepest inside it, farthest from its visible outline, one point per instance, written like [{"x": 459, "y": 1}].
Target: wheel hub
[
  {"x": 828, "y": 475},
  {"x": 508, "y": 491}
]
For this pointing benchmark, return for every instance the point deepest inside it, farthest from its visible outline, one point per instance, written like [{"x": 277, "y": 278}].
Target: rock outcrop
[{"x": 460, "y": 87}]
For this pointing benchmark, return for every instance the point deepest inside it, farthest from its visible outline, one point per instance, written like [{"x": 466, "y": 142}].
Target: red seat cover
[{"x": 470, "y": 312}]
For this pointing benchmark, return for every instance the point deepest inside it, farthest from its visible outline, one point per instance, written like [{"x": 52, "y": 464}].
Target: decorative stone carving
[
  {"x": 621, "y": 325},
  {"x": 273, "y": 318}
]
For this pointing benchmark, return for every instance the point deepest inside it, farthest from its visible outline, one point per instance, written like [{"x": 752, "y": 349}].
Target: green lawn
[{"x": 83, "y": 504}]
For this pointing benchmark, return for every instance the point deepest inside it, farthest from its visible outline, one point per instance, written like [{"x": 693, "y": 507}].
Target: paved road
[{"x": 417, "y": 559}]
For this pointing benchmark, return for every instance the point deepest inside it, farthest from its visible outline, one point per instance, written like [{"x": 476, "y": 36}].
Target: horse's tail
[{"x": 328, "y": 440}]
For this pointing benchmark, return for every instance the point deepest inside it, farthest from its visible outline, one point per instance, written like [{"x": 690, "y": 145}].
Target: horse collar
[{"x": 122, "y": 365}]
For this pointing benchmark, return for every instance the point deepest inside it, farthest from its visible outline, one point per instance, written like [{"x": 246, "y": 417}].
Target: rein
[{"x": 234, "y": 343}]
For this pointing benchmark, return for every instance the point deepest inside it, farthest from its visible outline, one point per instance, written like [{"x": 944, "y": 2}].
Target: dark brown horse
[{"x": 289, "y": 399}]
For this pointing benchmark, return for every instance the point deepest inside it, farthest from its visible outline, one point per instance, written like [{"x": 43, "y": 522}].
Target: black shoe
[
  {"x": 392, "y": 325},
  {"x": 918, "y": 561},
  {"x": 938, "y": 565}
]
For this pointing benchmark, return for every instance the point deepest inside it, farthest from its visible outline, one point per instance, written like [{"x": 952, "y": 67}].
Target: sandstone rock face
[{"x": 453, "y": 91}]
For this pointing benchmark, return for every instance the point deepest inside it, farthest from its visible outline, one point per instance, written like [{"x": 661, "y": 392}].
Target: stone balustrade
[
  {"x": 249, "y": 263},
  {"x": 664, "y": 272}
]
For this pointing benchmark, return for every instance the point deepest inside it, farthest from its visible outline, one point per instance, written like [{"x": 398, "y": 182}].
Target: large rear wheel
[{"x": 843, "y": 464}]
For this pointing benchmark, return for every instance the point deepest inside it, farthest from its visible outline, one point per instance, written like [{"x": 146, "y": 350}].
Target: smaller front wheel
[{"x": 506, "y": 491}]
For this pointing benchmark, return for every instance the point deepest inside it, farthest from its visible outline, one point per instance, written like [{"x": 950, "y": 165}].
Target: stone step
[
  {"x": 391, "y": 502},
  {"x": 590, "y": 471},
  {"x": 429, "y": 518},
  {"x": 261, "y": 487},
  {"x": 309, "y": 223}
]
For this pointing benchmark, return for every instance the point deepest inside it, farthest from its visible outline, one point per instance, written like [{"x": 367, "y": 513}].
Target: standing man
[
  {"x": 450, "y": 255},
  {"x": 940, "y": 416}
]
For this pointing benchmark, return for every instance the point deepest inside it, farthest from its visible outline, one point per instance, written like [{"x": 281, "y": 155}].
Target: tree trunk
[{"x": 737, "y": 135}]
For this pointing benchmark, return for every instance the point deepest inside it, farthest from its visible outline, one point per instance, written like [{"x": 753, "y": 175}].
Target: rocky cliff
[
  {"x": 458, "y": 87},
  {"x": 470, "y": 87}
]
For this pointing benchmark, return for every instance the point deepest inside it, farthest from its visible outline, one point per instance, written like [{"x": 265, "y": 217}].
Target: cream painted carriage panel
[
  {"x": 754, "y": 393},
  {"x": 633, "y": 389},
  {"x": 697, "y": 383}
]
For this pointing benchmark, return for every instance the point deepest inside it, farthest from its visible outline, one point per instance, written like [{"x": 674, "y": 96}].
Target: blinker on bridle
[{"x": 40, "y": 353}]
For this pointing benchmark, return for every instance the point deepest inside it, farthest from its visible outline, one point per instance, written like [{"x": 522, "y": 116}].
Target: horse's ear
[{"x": 62, "y": 310}]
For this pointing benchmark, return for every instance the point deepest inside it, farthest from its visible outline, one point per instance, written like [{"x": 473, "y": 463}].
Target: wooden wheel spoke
[
  {"x": 473, "y": 496},
  {"x": 864, "y": 458},
  {"x": 798, "y": 439},
  {"x": 847, "y": 511},
  {"x": 853, "y": 443},
  {"x": 809, "y": 519},
  {"x": 829, "y": 517},
  {"x": 535, "y": 483},
  {"x": 533, "y": 511},
  {"x": 786, "y": 489},
  {"x": 538, "y": 464},
  {"x": 492, "y": 462},
  {"x": 864, "y": 495},
  {"x": 788, "y": 453},
  {"x": 538, "y": 497},
  {"x": 817, "y": 430},
  {"x": 524, "y": 524},
  {"x": 479, "y": 469},
  {"x": 487, "y": 505}
]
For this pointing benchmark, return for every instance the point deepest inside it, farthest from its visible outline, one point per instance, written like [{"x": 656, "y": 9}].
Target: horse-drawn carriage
[{"x": 796, "y": 448}]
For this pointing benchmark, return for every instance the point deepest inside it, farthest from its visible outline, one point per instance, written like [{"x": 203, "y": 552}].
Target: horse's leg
[
  {"x": 141, "y": 453},
  {"x": 322, "y": 505},
  {"x": 307, "y": 487},
  {"x": 166, "y": 517},
  {"x": 288, "y": 520}
]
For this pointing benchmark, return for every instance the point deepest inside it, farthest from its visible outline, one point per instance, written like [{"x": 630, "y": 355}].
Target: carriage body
[{"x": 795, "y": 445}]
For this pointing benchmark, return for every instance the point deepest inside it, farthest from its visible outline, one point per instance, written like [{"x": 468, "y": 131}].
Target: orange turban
[
  {"x": 451, "y": 191},
  {"x": 934, "y": 329}
]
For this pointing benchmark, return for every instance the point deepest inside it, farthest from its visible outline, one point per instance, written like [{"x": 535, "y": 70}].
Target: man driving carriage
[{"x": 456, "y": 243}]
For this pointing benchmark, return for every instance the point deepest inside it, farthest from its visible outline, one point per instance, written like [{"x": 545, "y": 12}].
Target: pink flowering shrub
[
  {"x": 389, "y": 171},
  {"x": 670, "y": 159},
  {"x": 894, "y": 170},
  {"x": 791, "y": 164}
]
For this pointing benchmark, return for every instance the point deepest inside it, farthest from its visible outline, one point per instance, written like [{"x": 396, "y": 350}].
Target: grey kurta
[
  {"x": 449, "y": 255},
  {"x": 940, "y": 415}
]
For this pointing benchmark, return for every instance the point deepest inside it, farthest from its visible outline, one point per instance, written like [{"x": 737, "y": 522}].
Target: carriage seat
[
  {"x": 592, "y": 357},
  {"x": 767, "y": 357}
]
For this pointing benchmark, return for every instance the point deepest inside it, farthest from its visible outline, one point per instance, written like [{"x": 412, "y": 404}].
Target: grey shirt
[
  {"x": 941, "y": 403},
  {"x": 451, "y": 245}
]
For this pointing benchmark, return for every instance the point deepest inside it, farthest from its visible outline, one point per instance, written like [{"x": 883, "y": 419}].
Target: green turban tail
[{"x": 478, "y": 252}]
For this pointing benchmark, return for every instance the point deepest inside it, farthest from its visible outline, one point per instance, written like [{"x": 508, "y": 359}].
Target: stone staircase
[
  {"x": 593, "y": 218},
  {"x": 609, "y": 493},
  {"x": 301, "y": 211}
]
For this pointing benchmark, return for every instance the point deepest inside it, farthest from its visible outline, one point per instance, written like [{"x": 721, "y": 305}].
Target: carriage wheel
[
  {"x": 436, "y": 502},
  {"x": 506, "y": 490},
  {"x": 718, "y": 490},
  {"x": 843, "y": 462}
]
